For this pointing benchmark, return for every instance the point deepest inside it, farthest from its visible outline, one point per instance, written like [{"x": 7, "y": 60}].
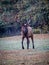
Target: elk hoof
[
  {"x": 22, "y": 47},
  {"x": 33, "y": 47}
]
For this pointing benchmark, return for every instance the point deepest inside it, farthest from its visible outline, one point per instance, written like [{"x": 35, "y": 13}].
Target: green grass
[{"x": 40, "y": 44}]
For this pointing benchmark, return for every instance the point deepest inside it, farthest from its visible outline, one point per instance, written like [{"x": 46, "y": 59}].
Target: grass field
[
  {"x": 11, "y": 52},
  {"x": 41, "y": 42}
]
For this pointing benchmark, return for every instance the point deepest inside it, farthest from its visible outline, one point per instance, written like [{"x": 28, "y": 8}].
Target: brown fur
[{"x": 29, "y": 35}]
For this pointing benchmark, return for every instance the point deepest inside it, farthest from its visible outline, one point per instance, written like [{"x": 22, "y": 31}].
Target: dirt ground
[
  {"x": 25, "y": 57},
  {"x": 36, "y": 36}
]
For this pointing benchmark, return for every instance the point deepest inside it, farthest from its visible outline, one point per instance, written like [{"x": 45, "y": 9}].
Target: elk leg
[
  {"x": 27, "y": 43},
  {"x": 32, "y": 41},
  {"x": 22, "y": 42}
]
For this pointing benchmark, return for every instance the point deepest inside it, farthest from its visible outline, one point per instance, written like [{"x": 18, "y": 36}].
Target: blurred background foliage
[{"x": 14, "y": 12}]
